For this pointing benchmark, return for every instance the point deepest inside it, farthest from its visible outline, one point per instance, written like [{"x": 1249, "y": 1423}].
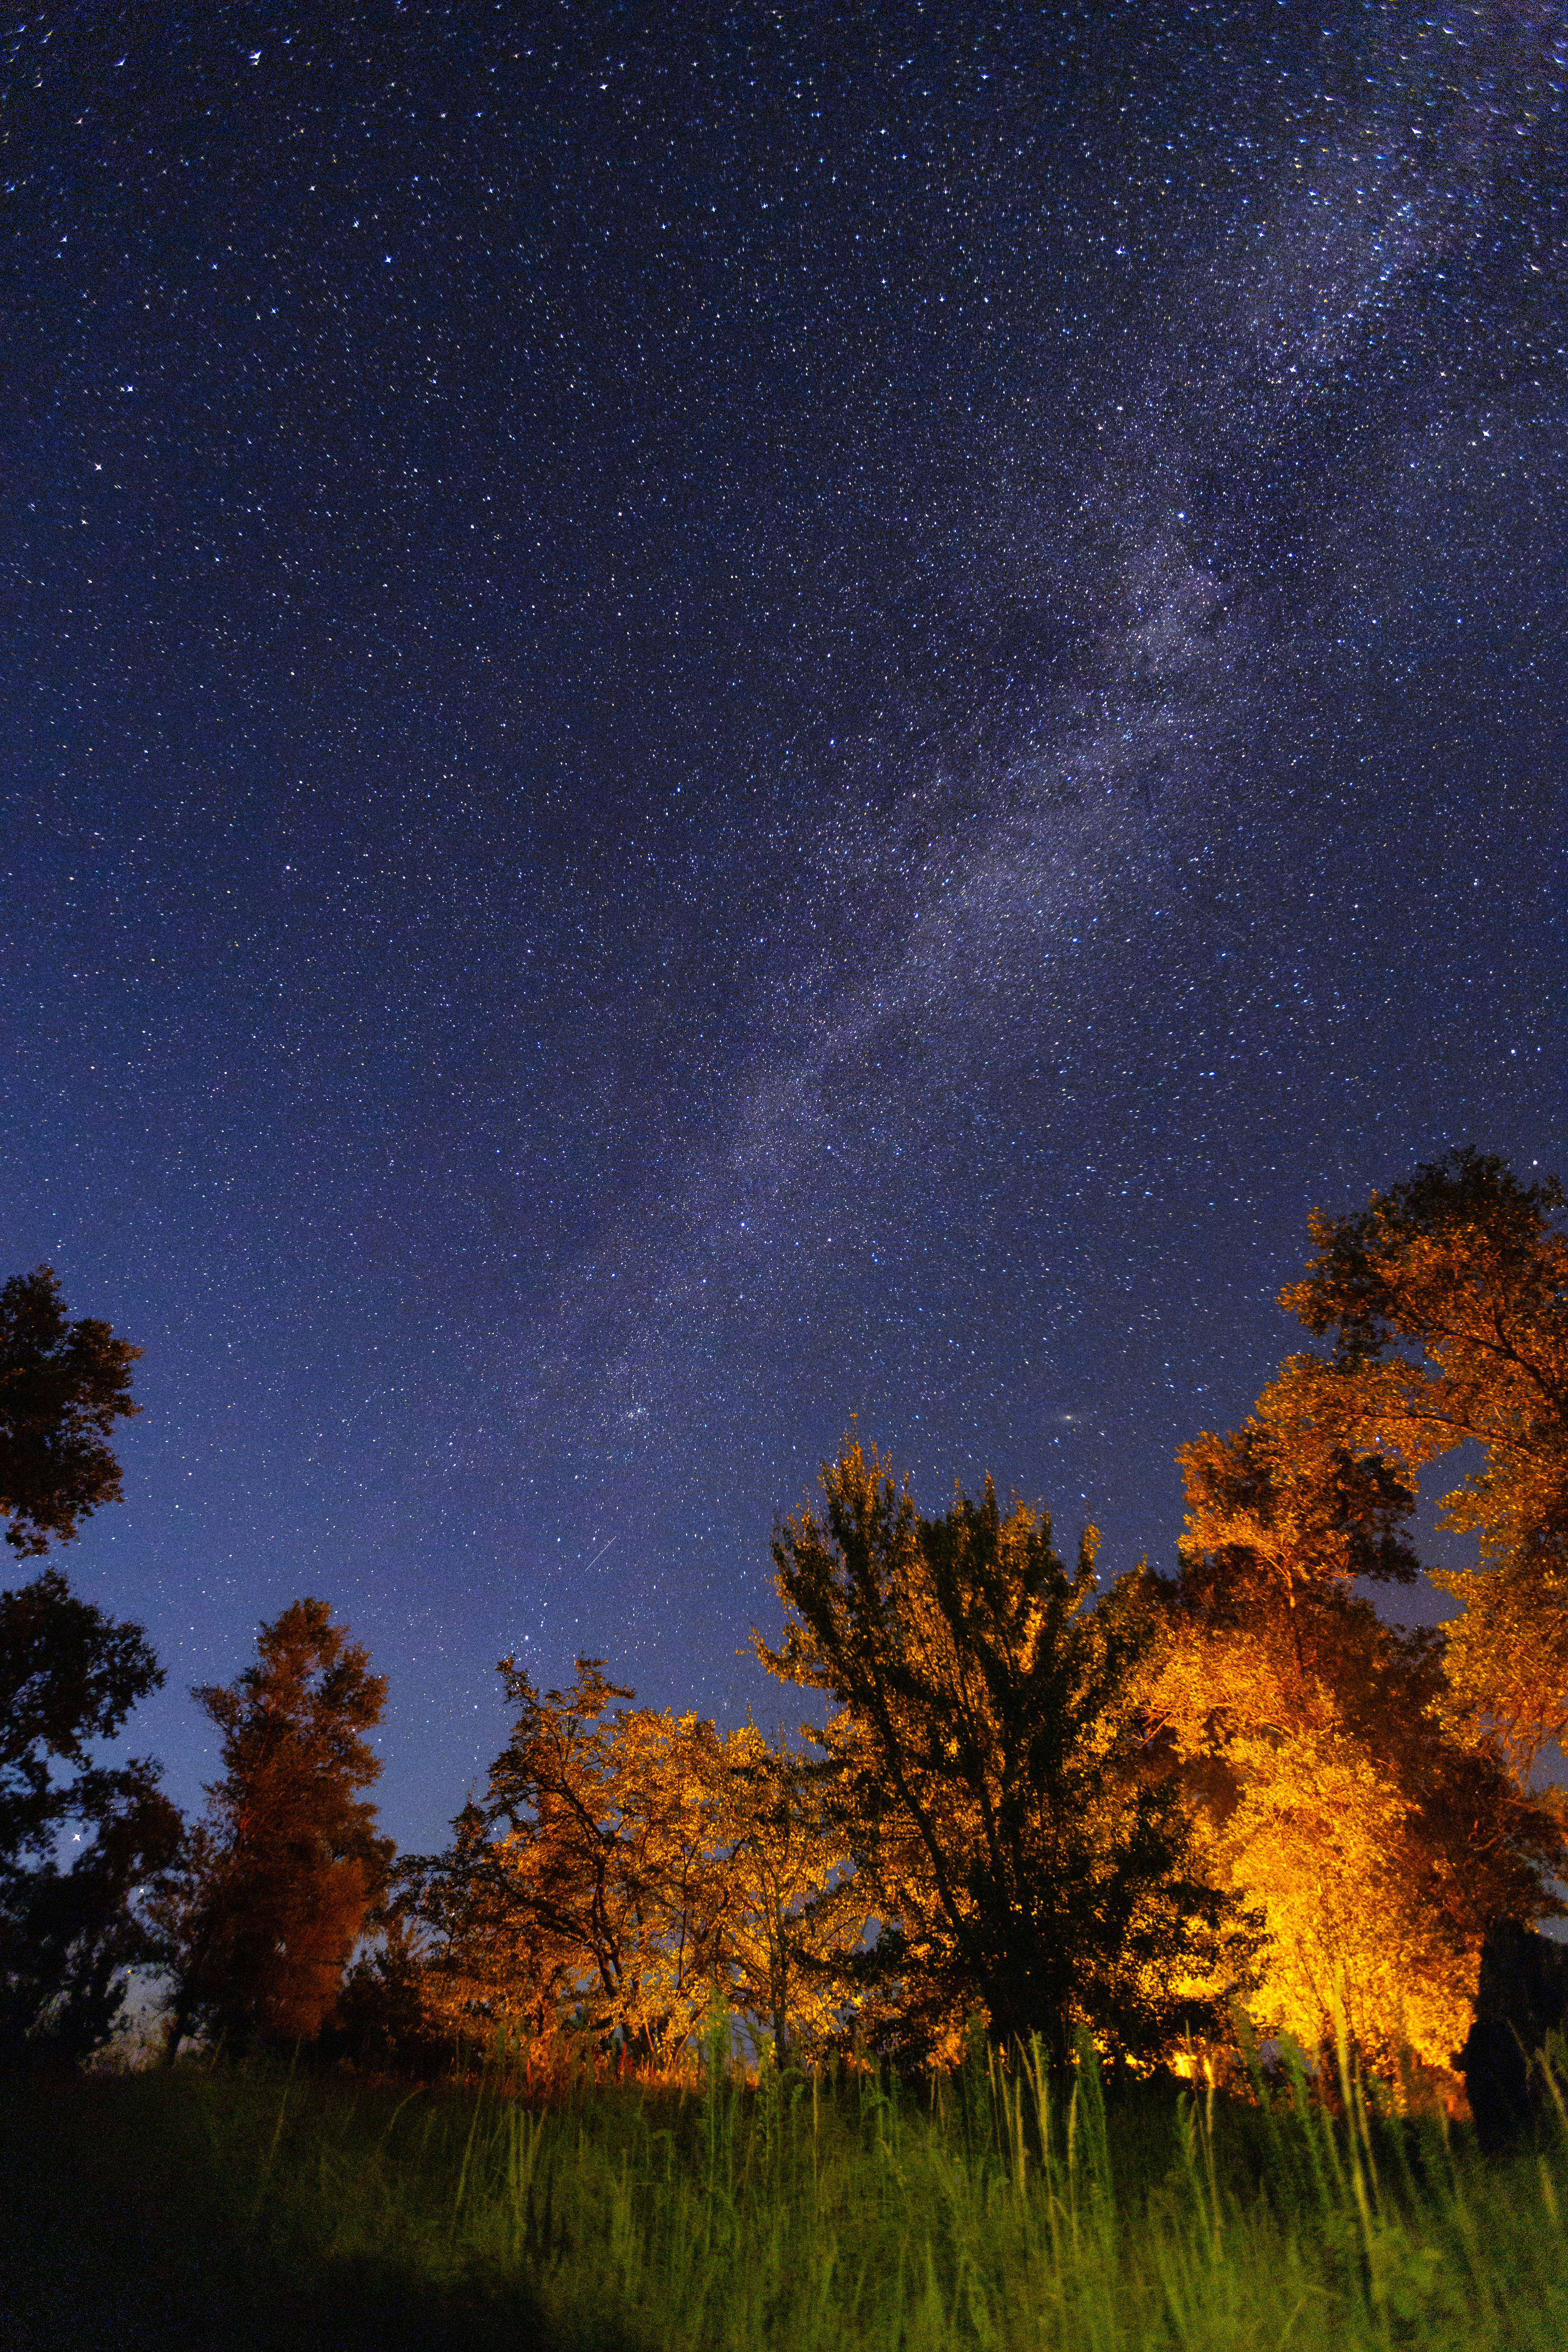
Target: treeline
[{"x": 1039, "y": 1798}]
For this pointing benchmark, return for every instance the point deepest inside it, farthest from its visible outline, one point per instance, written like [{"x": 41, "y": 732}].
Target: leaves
[
  {"x": 1345, "y": 1799},
  {"x": 279, "y": 1876},
  {"x": 1447, "y": 1302},
  {"x": 1027, "y": 1846},
  {"x": 72, "y": 1917},
  {"x": 62, "y": 1386},
  {"x": 627, "y": 1867}
]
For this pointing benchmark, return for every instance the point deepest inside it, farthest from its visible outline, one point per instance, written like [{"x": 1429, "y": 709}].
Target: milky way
[{"x": 725, "y": 728}]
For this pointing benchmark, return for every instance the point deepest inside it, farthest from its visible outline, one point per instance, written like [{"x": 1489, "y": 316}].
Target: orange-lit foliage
[
  {"x": 282, "y": 1872},
  {"x": 793, "y": 1910},
  {"x": 626, "y": 1867},
  {"x": 1378, "y": 1847},
  {"x": 1447, "y": 1302},
  {"x": 575, "y": 1892}
]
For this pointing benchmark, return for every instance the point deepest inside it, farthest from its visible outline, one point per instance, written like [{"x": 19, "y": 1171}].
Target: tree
[
  {"x": 70, "y": 1677},
  {"x": 793, "y": 1910},
  {"x": 281, "y": 1872},
  {"x": 626, "y": 1867},
  {"x": 384, "y": 2018},
  {"x": 1029, "y": 1851},
  {"x": 62, "y": 1386},
  {"x": 1378, "y": 1848},
  {"x": 1285, "y": 1506},
  {"x": 585, "y": 1893},
  {"x": 1447, "y": 1299}
]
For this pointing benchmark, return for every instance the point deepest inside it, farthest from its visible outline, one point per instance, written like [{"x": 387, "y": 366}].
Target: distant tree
[
  {"x": 73, "y": 1899},
  {"x": 582, "y": 1894},
  {"x": 62, "y": 1386},
  {"x": 793, "y": 1912},
  {"x": 280, "y": 1874},
  {"x": 1378, "y": 1847},
  {"x": 1447, "y": 1301},
  {"x": 626, "y": 1867},
  {"x": 1026, "y": 1848},
  {"x": 385, "y": 2017}
]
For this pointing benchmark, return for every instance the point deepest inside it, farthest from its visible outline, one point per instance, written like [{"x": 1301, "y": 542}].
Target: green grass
[{"x": 245, "y": 2208}]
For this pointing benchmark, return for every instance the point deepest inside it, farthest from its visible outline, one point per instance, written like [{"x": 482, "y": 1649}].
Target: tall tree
[
  {"x": 73, "y": 1912},
  {"x": 282, "y": 1870},
  {"x": 82, "y": 1841},
  {"x": 1028, "y": 1849},
  {"x": 1378, "y": 1847},
  {"x": 62, "y": 1387},
  {"x": 1447, "y": 1301}
]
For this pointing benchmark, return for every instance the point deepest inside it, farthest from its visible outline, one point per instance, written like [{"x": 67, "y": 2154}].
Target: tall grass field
[{"x": 245, "y": 2207}]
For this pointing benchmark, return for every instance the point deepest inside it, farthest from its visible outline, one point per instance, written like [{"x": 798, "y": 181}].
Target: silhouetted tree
[
  {"x": 1028, "y": 1848},
  {"x": 1521, "y": 2003},
  {"x": 385, "y": 2017},
  {"x": 71, "y": 1918},
  {"x": 281, "y": 1872},
  {"x": 62, "y": 1386}
]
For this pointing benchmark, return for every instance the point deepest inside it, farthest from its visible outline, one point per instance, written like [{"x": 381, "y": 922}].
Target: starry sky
[{"x": 717, "y": 717}]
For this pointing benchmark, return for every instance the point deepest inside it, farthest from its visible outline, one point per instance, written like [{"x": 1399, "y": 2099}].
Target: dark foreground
[
  {"x": 118, "y": 2233},
  {"x": 184, "y": 2210}
]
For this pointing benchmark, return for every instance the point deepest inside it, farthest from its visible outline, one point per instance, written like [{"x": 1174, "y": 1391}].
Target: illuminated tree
[
  {"x": 1447, "y": 1299},
  {"x": 62, "y": 1386},
  {"x": 1283, "y": 1506},
  {"x": 1026, "y": 1849},
  {"x": 626, "y": 1867},
  {"x": 1378, "y": 1848},
  {"x": 281, "y": 1872},
  {"x": 793, "y": 1910},
  {"x": 582, "y": 1892}
]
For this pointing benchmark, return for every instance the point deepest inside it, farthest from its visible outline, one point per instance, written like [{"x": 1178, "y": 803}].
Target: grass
[{"x": 244, "y": 2207}]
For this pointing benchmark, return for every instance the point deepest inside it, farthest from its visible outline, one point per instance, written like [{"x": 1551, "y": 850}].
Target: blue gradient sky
[{"x": 721, "y": 721}]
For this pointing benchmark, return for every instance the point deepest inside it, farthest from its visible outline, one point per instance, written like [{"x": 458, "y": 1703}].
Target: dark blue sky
[{"x": 718, "y": 718}]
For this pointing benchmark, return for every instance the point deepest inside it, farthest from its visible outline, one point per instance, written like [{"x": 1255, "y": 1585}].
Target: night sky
[{"x": 717, "y": 717}]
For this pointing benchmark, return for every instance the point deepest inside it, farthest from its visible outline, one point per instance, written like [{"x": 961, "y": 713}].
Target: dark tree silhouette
[
  {"x": 73, "y": 1903},
  {"x": 1030, "y": 1853},
  {"x": 1523, "y": 1998},
  {"x": 62, "y": 1386}
]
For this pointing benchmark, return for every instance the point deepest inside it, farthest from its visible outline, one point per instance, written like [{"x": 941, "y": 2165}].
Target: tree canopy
[
  {"x": 1029, "y": 1850},
  {"x": 62, "y": 1387},
  {"x": 71, "y": 1918},
  {"x": 74, "y": 1910},
  {"x": 280, "y": 1874},
  {"x": 1446, "y": 1303},
  {"x": 1377, "y": 1846},
  {"x": 625, "y": 1868}
]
